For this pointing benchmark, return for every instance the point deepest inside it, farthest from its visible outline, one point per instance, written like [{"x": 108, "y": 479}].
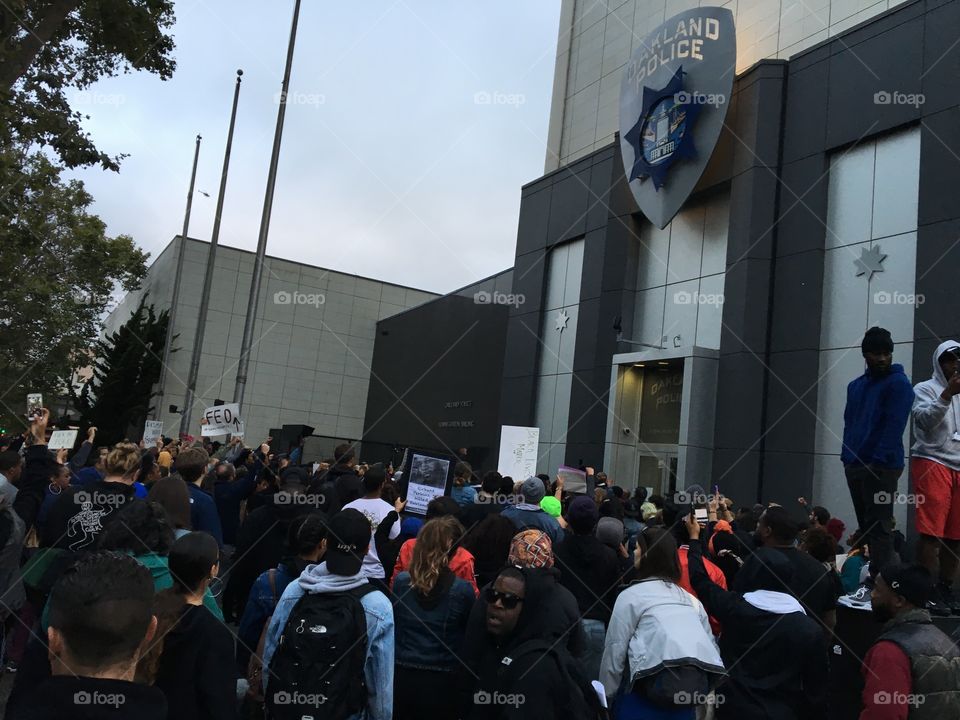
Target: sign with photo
[{"x": 426, "y": 475}]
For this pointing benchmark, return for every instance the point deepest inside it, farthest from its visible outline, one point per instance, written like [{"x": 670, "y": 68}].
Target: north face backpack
[{"x": 317, "y": 671}]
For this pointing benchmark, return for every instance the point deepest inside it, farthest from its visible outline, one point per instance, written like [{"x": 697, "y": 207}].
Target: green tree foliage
[
  {"x": 48, "y": 48},
  {"x": 58, "y": 266},
  {"x": 58, "y": 269},
  {"x": 117, "y": 398}
]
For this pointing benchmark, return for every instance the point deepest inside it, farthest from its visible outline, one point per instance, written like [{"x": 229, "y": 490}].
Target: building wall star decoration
[
  {"x": 869, "y": 262},
  {"x": 562, "y": 320}
]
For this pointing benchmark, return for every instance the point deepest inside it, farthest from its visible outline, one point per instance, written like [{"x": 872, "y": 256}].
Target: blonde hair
[
  {"x": 123, "y": 459},
  {"x": 431, "y": 552}
]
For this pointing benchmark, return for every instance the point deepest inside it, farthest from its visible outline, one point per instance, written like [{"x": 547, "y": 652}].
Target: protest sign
[
  {"x": 60, "y": 439},
  {"x": 220, "y": 420},
  {"x": 519, "y": 447},
  {"x": 152, "y": 431}
]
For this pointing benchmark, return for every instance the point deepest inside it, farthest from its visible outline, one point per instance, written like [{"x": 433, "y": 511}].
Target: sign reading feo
[{"x": 221, "y": 420}]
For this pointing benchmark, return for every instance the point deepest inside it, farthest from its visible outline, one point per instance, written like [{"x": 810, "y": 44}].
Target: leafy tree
[
  {"x": 117, "y": 398},
  {"x": 48, "y": 48},
  {"x": 58, "y": 269}
]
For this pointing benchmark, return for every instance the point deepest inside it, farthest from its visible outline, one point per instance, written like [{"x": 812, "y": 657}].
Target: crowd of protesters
[{"x": 203, "y": 580}]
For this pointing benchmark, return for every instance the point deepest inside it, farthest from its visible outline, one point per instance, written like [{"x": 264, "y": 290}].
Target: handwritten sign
[
  {"x": 60, "y": 439},
  {"x": 152, "y": 431},
  {"x": 221, "y": 420},
  {"x": 519, "y": 447}
]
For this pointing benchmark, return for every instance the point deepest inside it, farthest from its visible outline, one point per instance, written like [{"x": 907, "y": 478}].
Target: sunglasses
[{"x": 508, "y": 600}]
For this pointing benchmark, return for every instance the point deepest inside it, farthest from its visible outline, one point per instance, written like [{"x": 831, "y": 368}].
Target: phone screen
[
  {"x": 34, "y": 404},
  {"x": 701, "y": 515}
]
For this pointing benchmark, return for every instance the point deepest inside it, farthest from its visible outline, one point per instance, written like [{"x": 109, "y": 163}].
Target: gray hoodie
[{"x": 936, "y": 421}]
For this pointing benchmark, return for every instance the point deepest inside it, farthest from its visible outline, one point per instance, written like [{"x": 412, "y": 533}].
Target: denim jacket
[
  {"x": 261, "y": 604},
  {"x": 378, "y": 669},
  {"x": 431, "y": 639}
]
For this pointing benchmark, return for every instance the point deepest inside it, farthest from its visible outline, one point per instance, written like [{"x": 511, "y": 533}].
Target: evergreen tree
[{"x": 117, "y": 398}]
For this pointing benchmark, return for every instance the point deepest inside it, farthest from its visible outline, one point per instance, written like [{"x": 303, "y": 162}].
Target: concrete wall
[
  {"x": 597, "y": 37},
  {"x": 313, "y": 342}
]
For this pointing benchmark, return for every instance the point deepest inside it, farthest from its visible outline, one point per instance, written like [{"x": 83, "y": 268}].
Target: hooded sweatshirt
[
  {"x": 378, "y": 669},
  {"x": 875, "y": 417},
  {"x": 935, "y": 420}
]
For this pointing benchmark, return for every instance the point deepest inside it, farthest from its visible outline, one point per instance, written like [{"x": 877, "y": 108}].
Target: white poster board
[
  {"x": 240, "y": 433},
  {"x": 428, "y": 479},
  {"x": 60, "y": 439},
  {"x": 519, "y": 447},
  {"x": 220, "y": 420},
  {"x": 152, "y": 431}
]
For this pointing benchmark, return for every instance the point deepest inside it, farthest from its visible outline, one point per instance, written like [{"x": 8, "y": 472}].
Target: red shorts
[{"x": 938, "y": 513}]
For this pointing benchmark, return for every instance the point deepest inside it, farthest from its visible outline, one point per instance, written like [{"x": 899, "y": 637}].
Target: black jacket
[
  {"x": 196, "y": 672},
  {"x": 261, "y": 544},
  {"x": 558, "y": 619},
  {"x": 777, "y": 663},
  {"x": 544, "y": 681},
  {"x": 85, "y": 698},
  {"x": 78, "y": 517},
  {"x": 591, "y": 571}
]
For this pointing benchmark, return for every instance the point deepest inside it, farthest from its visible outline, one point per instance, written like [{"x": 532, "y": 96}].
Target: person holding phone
[{"x": 935, "y": 472}]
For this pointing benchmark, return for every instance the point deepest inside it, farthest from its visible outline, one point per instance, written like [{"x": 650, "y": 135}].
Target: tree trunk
[{"x": 26, "y": 51}]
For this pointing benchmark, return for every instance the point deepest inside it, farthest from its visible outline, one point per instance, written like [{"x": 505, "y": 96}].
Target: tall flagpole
[
  {"x": 248, "y": 324},
  {"x": 208, "y": 276},
  {"x": 178, "y": 273}
]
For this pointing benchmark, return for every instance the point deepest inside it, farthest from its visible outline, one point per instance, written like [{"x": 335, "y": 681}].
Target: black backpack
[{"x": 317, "y": 670}]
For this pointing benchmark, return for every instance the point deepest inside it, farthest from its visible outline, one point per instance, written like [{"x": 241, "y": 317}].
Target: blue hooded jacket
[{"x": 878, "y": 407}]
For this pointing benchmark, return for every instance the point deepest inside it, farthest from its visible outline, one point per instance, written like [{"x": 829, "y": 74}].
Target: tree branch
[{"x": 26, "y": 51}]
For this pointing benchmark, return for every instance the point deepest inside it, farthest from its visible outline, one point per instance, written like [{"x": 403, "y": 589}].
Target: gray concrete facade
[{"x": 313, "y": 344}]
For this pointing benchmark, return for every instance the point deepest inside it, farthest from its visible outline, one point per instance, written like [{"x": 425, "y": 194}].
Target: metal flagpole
[
  {"x": 248, "y": 324},
  {"x": 208, "y": 276},
  {"x": 172, "y": 314}
]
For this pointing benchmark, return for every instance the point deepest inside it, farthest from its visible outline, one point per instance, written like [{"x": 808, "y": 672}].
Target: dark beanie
[
  {"x": 582, "y": 515},
  {"x": 913, "y": 582},
  {"x": 877, "y": 340}
]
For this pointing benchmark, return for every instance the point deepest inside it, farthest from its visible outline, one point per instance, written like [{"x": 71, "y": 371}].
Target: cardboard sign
[
  {"x": 519, "y": 447},
  {"x": 152, "y": 431},
  {"x": 220, "y": 420},
  {"x": 60, "y": 439}
]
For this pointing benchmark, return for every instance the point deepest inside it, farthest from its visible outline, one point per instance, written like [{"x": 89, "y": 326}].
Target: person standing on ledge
[
  {"x": 878, "y": 406},
  {"x": 935, "y": 472}
]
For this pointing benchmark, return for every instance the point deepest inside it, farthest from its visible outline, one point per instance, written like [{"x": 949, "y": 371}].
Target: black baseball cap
[
  {"x": 348, "y": 538},
  {"x": 913, "y": 583}
]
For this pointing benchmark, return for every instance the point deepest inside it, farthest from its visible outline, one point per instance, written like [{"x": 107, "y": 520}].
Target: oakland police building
[{"x": 732, "y": 195}]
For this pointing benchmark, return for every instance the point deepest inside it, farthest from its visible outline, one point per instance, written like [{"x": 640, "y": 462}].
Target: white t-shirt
[{"x": 375, "y": 511}]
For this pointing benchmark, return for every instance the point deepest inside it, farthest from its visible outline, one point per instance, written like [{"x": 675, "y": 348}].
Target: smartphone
[
  {"x": 34, "y": 405},
  {"x": 701, "y": 515}
]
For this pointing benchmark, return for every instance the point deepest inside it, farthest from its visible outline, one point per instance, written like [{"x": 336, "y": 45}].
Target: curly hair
[
  {"x": 431, "y": 553},
  {"x": 140, "y": 527}
]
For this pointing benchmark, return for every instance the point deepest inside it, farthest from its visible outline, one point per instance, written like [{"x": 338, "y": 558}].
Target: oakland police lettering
[{"x": 685, "y": 42}]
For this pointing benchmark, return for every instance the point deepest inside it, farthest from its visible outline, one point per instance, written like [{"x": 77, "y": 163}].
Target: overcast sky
[{"x": 410, "y": 129}]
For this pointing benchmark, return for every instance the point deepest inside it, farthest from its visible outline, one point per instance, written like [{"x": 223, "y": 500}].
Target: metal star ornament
[
  {"x": 869, "y": 262},
  {"x": 562, "y": 320}
]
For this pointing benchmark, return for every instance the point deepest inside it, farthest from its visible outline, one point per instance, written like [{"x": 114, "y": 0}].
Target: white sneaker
[{"x": 859, "y": 599}]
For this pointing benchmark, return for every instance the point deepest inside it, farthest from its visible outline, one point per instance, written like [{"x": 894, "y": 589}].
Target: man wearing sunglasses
[
  {"x": 935, "y": 472},
  {"x": 522, "y": 669}
]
